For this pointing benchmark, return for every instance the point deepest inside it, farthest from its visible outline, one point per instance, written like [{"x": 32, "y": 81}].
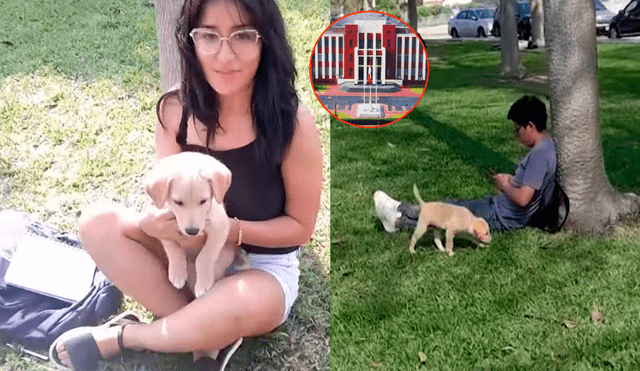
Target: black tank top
[{"x": 257, "y": 189}]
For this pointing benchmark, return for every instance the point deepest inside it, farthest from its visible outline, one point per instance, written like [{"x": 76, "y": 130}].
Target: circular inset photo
[{"x": 369, "y": 69}]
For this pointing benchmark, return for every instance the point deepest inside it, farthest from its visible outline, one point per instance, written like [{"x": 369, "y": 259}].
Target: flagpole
[{"x": 369, "y": 77}]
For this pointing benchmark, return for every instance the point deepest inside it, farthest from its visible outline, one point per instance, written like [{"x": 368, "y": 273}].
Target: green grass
[
  {"x": 84, "y": 39},
  {"x": 78, "y": 86},
  {"x": 524, "y": 302}
]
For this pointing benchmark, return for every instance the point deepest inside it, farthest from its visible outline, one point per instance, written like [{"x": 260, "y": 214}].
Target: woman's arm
[
  {"x": 302, "y": 175},
  {"x": 166, "y": 133}
]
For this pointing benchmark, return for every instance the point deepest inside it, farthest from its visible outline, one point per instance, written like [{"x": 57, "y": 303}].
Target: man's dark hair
[{"x": 529, "y": 109}]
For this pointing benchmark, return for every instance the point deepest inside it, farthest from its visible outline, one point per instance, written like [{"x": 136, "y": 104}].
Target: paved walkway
[
  {"x": 393, "y": 105},
  {"x": 334, "y": 90},
  {"x": 336, "y": 100}
]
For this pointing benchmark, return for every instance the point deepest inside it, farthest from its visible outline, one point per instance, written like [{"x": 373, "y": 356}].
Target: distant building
[{"x": 353, "y": 47}]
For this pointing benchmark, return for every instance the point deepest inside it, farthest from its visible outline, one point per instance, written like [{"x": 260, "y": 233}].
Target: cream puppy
[
  {"x": 192, "y": 186},
  {"x": 452, "y": 218}
]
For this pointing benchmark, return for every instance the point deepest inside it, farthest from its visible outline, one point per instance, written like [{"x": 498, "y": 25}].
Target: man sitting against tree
[{"x": 521, "y": 195}]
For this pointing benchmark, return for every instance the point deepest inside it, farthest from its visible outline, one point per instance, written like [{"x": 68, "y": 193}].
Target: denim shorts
[{"x": 285, "y": 268}]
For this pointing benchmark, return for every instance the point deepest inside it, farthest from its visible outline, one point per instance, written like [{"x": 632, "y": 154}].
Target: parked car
[
  {"x": 523, "y": 21},
  {"x": 471, "y": 22},
  {"x": 626, "y": 22},
  {"x": 603, "y": 18}
]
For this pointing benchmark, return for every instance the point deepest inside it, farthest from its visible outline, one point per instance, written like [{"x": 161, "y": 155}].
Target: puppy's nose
[{"x": 191, "y": 231}]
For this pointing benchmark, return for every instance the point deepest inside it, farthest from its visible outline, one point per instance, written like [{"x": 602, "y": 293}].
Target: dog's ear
[
  {"x": 220, "y": 181},
  {"x": 480, "y": 229},
  {"x": 157, "y": 187}
]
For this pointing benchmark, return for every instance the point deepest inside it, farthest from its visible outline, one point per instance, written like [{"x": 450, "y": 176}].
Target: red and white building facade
[{"x": 394, "y": 53}]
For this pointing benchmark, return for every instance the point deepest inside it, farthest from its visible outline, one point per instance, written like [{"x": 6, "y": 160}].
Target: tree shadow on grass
[
  {"x": 471, "y": 151},
  {"x": 478, "y": 64}
]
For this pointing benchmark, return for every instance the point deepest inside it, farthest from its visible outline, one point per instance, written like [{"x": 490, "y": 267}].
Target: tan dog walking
[{"x": 453, "y": 219}]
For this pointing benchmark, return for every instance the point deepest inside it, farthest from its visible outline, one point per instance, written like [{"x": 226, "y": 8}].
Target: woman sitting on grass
[{"x": 237, "y": 102}]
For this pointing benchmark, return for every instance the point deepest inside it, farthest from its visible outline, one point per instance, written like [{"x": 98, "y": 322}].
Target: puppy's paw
[
  {"x": 178, "y": 274},
  {"x": 178, "y": 282},
  {"x": 202, "y": 287},
  {"x": 450, "y": 253}
]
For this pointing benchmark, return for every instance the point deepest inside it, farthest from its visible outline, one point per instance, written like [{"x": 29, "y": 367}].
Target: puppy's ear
[
  {"x": 481, "y": 229},
  {"x": 157, "y": 187},
  {"x": 478, "y": 228},
  {"x": 220, "y": 181}
]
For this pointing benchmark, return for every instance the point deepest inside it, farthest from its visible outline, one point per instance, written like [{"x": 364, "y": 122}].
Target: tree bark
[
  {"x": 170, "y": 69},
  {"x": 413, "y": 14},
  {"x": 537, "y": 23},
  {"x": 370, "y": 4},
  {"x": 511, "y": 65},
  {"x": 352, "y": 6},
  {"x": 409, "y": 13},
  {"x": 573, "y": 64}
]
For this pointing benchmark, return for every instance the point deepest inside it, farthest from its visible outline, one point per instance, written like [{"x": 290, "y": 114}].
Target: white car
[
  {"x": 471, "y": 22},
  {"x": 603, "y": 18}
]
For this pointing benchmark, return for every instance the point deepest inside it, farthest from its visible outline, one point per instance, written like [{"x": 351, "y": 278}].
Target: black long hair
[{"x": 274, "y": 102}]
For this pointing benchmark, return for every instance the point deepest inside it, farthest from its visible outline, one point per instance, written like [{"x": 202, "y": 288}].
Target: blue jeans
[{"x": 481, "y": 208}]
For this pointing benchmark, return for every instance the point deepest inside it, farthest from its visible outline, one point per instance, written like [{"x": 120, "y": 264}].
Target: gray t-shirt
[{"x": 537, "y": 170}]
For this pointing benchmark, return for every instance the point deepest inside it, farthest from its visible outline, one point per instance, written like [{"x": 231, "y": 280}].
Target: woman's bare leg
[
  {"x": 246, "y": 304},
  {"x": 132, "y": 260}
]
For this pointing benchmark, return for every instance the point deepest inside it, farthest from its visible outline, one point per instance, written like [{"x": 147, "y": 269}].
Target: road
[{"x": 440, "y": 33}]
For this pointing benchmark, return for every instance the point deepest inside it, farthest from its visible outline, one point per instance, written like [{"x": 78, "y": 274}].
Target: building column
[
  {"x": 374, "y": 63},
  {"x": 324, "y": 63},
  {"x": 383, "y": 57},
  {"x": 417, "y": 57},
  {"x": 424, "y": 64},
  {"x": 410, "y": 57},
  {"x": 402, "y": 40},
  {"x": 355, "y": 65},
  {"x": 364, "y": 68},
  {"x": 317, "y": 58},
  {"x": 330, "y": 55}
]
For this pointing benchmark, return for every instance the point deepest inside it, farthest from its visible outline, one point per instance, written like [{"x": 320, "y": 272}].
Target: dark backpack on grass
[
  {"x": 33, "y": 321},
  {"x": 552, "y": 217}
]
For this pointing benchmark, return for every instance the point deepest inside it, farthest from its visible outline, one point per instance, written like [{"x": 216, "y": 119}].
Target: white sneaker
[{"x": 387, "y": 210}]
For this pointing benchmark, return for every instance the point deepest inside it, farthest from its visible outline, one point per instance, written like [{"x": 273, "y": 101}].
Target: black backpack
[
  {"x": 33, "y": 321},
  {"x": 552, "y": 217}
]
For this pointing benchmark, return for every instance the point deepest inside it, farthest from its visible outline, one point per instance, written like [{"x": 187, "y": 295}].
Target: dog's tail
[{"x": 417, "y": 194}]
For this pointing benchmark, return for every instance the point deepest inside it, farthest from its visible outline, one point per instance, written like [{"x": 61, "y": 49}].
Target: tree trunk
[
  {"x": 413, "y": 15},
  {"x": 537, "y": 23},
  {"x": 409, "y": 13},
  {"x": 370, "y": 4},
  {"x": 573, "y": 64},
  {"x": 352, "y": 6},
  {"x": 170, "y": 69},
  {"x": 511, "y": 65}
]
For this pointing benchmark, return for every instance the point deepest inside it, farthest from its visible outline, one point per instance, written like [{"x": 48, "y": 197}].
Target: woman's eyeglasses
[{"x": 209, "y": 42}]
